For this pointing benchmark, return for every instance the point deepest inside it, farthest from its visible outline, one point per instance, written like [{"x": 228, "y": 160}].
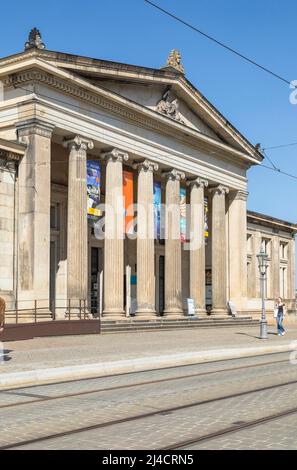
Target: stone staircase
[{"x": 162, "y": 323}]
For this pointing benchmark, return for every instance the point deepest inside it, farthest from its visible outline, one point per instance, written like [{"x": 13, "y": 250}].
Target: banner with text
[
  {"x": 183, "y": 215},
  {"x": 157, "y": 209},
  {"x": 93, "y": 189},
  {"x": 206, "y": 233}
]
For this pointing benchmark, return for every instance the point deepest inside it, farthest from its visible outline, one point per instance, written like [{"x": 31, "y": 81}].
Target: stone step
[
  {"x": 174, "y": 321},
  {"x": 136, "y": 326}
]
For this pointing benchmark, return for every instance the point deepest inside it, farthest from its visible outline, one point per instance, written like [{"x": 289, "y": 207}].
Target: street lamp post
[{"x": 263, "y": 264}]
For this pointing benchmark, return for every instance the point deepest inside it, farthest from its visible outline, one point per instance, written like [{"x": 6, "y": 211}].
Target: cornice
[
  {"x": 268, "y": 221},
  {"x": 69, "y": 63},
  {"x": 11, "y": 151},
  {"x": 9, "y": 156},
  {"x": 120, "y": 106}
]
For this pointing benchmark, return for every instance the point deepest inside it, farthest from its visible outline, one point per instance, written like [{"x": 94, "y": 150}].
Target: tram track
[
  {"x": 126, "y": 386},
  {"x": 230, "y": 430},
  {"x": 170, "y": 410}
]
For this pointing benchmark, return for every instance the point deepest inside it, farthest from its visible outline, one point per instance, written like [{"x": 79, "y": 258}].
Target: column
[
  {"x": 257, "y": 249},
  {"x": 114, "y": 236},
  {"x": 291, "y": 272},
  {"x": 275, "y": 266},
  {"x": 77, "y": 223},
  {"x": 34, "y": 182},
  {"x": 145, "y": 240},
  {"x": 237, "y": 256},
  {"x": 197, "y": 244},
  {"x": 173, "y": 280},
  {"x": 218, "y": 250}
]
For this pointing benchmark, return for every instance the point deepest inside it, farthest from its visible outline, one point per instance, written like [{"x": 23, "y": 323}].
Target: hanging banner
[
  {"x": 93, "y": 189},
  {"x": 128, "y": 201},
  {"x": 183, "y": 215},
  {"x": 206, "y": 233},
  {"x": 157, "y": 209}
]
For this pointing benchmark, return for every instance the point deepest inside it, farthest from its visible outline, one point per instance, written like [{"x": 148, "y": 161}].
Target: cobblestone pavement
[
  {"x": 41, "y": 353},
  {"x": 280, "y": 435},
  {"x": 162, "y": 429}
]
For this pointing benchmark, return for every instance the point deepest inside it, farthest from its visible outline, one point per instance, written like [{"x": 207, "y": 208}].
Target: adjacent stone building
[{"x": 152, "y": 126}]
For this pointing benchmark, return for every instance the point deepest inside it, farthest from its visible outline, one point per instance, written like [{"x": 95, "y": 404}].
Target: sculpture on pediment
[
  {"x": 174, "y": 60},
  {"x": 169, "y": 107},
  {"x": 34, "y": 40}
]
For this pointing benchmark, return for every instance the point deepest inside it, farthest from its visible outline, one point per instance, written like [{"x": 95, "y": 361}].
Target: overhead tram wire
[
  {"x": 280, "y": 146},
  {"x": 221, "y": 44},
  {"x": 270, "y": 161},
  {"x": 274, "y": 168}
]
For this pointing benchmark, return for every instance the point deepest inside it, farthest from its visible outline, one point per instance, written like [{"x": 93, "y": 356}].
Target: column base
[
  {"x": 174, "y": 313},
  {"x": 200, "y": 312},
  {"x": 219, "y": 312},
  {"x": 114, "y": 314},
  {"x": 144, "y": 314}
]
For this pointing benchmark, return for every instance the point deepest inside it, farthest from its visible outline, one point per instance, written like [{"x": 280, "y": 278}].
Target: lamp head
[{"x": 262, "y": 261}]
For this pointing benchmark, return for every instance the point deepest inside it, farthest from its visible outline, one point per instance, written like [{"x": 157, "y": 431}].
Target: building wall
[
  {"x": 280, "y": 248},
  {"x": 7, "y": 232}
]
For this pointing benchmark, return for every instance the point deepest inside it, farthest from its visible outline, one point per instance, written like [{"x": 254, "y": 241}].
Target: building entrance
[{"x": 96, "y": 268}]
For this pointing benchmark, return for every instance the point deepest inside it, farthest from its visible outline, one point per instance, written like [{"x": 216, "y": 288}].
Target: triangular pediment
[
  {"x": 162, "y": 92},
  {"x": 159, "y": 98}
]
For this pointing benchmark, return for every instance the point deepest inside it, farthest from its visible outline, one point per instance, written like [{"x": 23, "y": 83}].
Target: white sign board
[
  {"x": 232, "y": 308},
  {"x": 191, "y": 307}
]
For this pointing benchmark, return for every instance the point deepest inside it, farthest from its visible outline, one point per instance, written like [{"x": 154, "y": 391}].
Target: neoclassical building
[{"x": 78, "y": 133}]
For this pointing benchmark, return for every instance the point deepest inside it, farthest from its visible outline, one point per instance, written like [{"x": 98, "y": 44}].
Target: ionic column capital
[
  {"x": 240, "y": 195},
  {"x": 146, "y": 165},
  {"x": 219, "y": 190},
  {"x": 115, "y": 155},
  {"x": 174, "y": 175},
  {"x": 197, "y": 182},
  {"x": 78, "y": 143},
  {"x": 34, "y": 126}
]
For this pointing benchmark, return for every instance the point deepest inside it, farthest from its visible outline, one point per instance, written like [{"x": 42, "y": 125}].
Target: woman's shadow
[
  {"x": 4, "y": 355},
  {"x": 256, "y": 336}
]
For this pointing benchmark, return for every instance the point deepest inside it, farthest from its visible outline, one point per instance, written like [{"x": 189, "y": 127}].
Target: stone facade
[{"x": 58, "y": 112}]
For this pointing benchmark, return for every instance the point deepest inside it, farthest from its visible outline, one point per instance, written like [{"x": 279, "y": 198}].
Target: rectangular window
[
  {"x": 265, "y": 245},
  {"x": 55, "y": 216},
  {"x": 283, "y": 282},
  {"x": 249, "y": 243},
  {"x": 249, "y": 280},
  {"x": 283, "y": 250}
]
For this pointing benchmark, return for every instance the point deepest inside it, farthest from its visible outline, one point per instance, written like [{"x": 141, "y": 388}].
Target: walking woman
[
  {"x": 2, "y": 314},
  {"x": 279, "y": 313}
]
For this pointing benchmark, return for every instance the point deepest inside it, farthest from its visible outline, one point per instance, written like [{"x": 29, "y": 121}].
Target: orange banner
[{"x": 128, "y": 200}]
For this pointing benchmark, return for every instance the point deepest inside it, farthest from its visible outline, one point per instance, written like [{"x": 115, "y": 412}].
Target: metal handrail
[{"x": 79, "y": 307}]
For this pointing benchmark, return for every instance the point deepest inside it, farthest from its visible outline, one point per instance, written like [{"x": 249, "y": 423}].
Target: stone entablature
[
  {"x": 271, "y": 223},
  {"x": 76, "y": 87},
  {"x": 11, "y": 151},
  {"x": 178, "y": 83}
]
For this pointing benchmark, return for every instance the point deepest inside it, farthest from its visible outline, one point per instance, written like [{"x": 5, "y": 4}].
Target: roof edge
[{"x": 264, "y": 219}]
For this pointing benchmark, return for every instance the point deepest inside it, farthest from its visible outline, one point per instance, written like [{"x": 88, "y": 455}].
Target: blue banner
[
  {"x": 93, "y": 189},
  {"x": 183, "y": 215},
  {"x": 157, "y": 209}
]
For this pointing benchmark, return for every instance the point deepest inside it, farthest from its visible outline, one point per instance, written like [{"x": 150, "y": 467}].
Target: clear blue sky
[{"x": 131, "y": 31}]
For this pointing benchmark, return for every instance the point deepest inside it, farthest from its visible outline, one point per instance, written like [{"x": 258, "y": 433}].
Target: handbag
[{"x": 275, "y": 312}]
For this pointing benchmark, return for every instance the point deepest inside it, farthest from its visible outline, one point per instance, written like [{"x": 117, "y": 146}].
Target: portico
[{"x": 155, "y": 126}]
